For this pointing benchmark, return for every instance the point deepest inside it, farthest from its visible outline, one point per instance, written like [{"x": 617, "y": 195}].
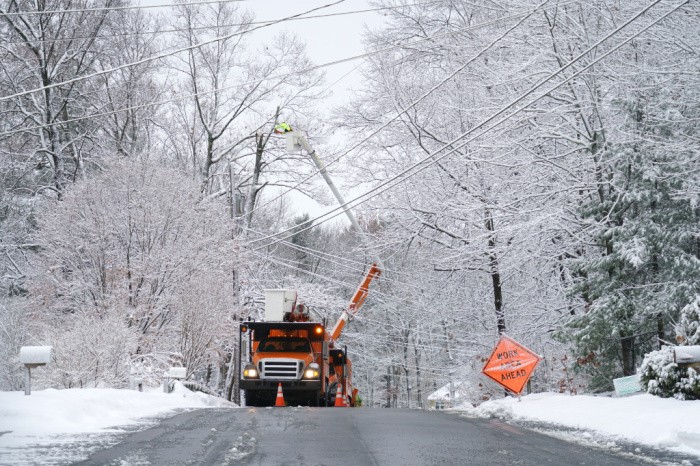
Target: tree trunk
[
  {"x": 416, "y": 354},
  {"x": 230, "y": 376},
  {"x": 388, "y": 387},
  {"x": 627, "y": 355},
  {"x": 253, "y": 189},
  {"x": 495, "y": 276}
]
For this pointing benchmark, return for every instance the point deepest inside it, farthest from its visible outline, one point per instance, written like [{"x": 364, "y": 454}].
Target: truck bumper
[{"x": 287, "y": 385}]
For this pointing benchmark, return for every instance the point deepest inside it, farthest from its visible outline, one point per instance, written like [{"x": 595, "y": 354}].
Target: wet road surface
[{"x": 327, "y": 436}]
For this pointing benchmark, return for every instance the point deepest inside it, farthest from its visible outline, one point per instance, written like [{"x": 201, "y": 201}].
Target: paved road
[{"x": 318, "y": 436}]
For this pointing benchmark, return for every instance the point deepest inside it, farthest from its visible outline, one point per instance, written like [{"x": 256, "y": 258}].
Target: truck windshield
[{"x": 294, "y": 345}]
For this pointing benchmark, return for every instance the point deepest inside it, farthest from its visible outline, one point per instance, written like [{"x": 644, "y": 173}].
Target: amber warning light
[{"x": 318, "y": 330}]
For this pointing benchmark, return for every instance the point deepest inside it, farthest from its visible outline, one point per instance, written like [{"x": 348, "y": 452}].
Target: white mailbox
[
  {"x": 35, "y": 355},
  {"x": 31, "y": 357},
  {"x": 177, "y": 373},
  {"x": 689, "y": 355},
  {"x": 172, "y": 374}
]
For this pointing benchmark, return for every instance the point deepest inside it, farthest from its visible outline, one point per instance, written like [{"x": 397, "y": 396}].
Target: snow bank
[
  {"x": 46, "y": 415},
  {"x": 659, "y": 422}
]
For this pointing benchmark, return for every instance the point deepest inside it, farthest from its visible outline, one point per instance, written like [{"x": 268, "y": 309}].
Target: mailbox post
[{"x": 31, "y": 357}]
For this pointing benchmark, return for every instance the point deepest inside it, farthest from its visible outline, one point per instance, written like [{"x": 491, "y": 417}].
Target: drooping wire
[
  {"x": 197, "y": 28},
  {"x": 114, "y": 8},
  {"x": 430, "y": 159},
  {"x": 164, "y": 55},
  {"x": 421, "y": 98},
  {"x": 277, "y": 76}
]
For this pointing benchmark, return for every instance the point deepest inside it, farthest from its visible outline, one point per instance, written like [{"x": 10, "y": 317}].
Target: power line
[
  {"x": 116, "y": 8},
  {"x": 420, "y": 99},
  {"x": 285, "y": 263},
  {"x": 347, "y": 263},
  {"x": 197, "y": 28},
  {"x": 237, "y": 85},
  {"x": 164, "y": 55},
  {"x": 397, "y": 179},
  {"x": 377, "y": 295}
]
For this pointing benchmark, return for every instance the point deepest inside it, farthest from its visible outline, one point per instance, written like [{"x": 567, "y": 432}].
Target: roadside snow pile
[
  {"x": 646, "y": 419},
  {"x": 494, "y": 410},
  {"x": 46, "y": 415}
]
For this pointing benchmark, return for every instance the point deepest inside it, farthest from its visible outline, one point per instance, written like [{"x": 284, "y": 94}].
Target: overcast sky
[{"x": 327, "y": 39}]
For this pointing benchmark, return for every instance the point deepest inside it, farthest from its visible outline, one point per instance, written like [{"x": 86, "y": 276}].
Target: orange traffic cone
[
  {"x": 339, "y": 398},
  {"x": 280, "y": 397}
]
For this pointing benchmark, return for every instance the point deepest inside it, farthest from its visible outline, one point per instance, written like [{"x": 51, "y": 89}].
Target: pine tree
[
  {"x": 648, "y": 267},
  {"x": 688, "y": 326}
]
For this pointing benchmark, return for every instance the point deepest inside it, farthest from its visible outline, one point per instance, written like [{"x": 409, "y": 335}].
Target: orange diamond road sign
[{"x": 511, "y": 364}]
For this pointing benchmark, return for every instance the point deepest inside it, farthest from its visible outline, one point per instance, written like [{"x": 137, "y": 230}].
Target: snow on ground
[
  {"x": 63, "y": 426},
  {"x": 646, "y": 419},
  {"x": 35, "y": 424}
]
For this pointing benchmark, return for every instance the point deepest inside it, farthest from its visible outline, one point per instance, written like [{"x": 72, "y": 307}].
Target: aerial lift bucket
[{"x": 292, "y": 142}]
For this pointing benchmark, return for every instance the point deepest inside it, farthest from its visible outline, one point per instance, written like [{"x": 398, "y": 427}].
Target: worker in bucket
[{"x": 282, "y": 128}]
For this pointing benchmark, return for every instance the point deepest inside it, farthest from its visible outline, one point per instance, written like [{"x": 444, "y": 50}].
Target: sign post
[{"x": 511, "y": 365}]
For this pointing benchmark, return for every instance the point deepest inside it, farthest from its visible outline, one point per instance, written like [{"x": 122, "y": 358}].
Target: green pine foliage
[
  {"x": 688, "y": 326},
  {"x": 647, "y": 266},
  {"x": 662, "y": 377}
]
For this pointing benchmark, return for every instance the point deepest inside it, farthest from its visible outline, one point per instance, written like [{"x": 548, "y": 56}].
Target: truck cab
[
  {"x": 291, "y": 353},
  {"x": 287, "y": 348}
]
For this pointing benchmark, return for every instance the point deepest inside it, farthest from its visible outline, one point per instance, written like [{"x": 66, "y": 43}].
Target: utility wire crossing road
[{"x": 326, "y": 436}]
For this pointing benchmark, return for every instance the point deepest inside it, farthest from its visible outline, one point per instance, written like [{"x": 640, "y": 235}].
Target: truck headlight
[
  {"x": 250, "y": 372},
  {"x": 312, "y": 371}
]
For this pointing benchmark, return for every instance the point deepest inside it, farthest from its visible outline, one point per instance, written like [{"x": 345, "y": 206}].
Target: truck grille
[{"x": 283, "y": 369}]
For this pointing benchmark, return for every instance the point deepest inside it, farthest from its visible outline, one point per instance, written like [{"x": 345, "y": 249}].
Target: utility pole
[
  {"x": 237, "y": 200},
  {"x": 236, "y": 204},
  {"x": 231, "y": 185},
  {"x": 237, "y": 369}
]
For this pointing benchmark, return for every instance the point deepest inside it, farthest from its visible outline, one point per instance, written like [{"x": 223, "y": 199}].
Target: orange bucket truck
[{"x": 288, "y": 348}]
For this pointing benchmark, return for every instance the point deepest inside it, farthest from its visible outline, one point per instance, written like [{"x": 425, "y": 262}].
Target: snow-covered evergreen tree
[
  {"x": 661, "y": 376},
  {"x": 648, "y": 267},
  {"x": 688, "y": 326}
]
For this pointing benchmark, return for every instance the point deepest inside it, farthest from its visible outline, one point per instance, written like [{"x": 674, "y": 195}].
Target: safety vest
[{"x": 282, "y": 128}]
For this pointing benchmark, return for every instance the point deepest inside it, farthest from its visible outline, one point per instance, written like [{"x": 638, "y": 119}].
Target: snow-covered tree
[
  {"x": 688, "y": 326},
  {"x": 648, "y": 265},
  {"x": 663, "y": 377},
  {"x": 134, "y": 247}
]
